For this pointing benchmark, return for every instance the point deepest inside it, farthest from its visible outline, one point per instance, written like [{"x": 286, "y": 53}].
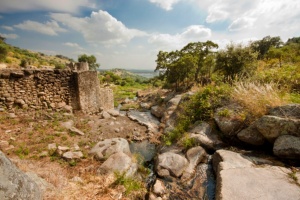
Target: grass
[
  {"x": 258, "y": 98},
  {"x": 131, "y": 185}
]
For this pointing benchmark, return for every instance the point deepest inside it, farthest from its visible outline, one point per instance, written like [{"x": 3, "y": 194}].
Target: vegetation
[{"x": 91, "y": 60}]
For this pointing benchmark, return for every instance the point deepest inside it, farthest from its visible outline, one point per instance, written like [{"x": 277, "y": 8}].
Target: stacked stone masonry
[{"x": 53, "y": 89}]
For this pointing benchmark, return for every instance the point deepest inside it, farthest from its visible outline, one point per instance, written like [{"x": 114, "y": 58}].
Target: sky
[{"x": 129, "y": 33}]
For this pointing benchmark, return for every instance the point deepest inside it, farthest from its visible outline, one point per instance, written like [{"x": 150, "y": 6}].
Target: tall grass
[{"x": 257, "y": 97}]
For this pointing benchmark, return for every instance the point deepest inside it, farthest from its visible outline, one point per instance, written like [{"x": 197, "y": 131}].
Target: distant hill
[
  {"x": 132, "y": 73},
  {"x": 17, "y": 57}
]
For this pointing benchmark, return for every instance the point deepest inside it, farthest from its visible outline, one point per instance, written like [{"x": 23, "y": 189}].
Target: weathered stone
[
  {"x": 76, "y": 131},
  {"x": 4, "y": 144},
  {"x": 102, "y": 150},
  {"x": 70, "y": 155},
  {"x": 289, "y": 111},
  {"x": 204, "y": 135},
  {"x": 15, "y": 184},
  {"x": 19, "y": 101},
  {"x": 158, "y": 111},
  {"x": 251, "y": 135},
  {"x": 194, "y": 155},
  {"x": 17, "y": 74},
  {"x": 238, "y": 178},
  {"x": 113, "y": 112},
  {"x": 118, "y": 162},
  {"x": 174, "y": 163},
  {"x": 144, "y": 118},
  {"x": 42, "y": 183},
  {"x": 159, "y": 187},
  {"x": 272, "y": 127},
  {"x": 287, "y": 146},
  {"x": 105, "y": 115},
  {"x": 229, "y": 120}
]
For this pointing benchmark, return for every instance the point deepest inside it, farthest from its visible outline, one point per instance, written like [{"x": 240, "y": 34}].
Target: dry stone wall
[{"x": 53, "y": 89}]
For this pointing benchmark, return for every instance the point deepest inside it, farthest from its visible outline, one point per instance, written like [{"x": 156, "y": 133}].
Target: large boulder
[
  {"x": 230, "y": 119},
  {"x": 14, "y": 184},
  {"x": 290, "y": 110},
  {"x": 271, "y": 127},
  {"x": 103, "y": 149},
  {"x": 170, "y": 163},
  {"x": 204, "y": 135},
  {"x": 119, "y": 162},
  {"x": 239, "y": 178},
  {"x": 251, "y": 135},
  {"x": 287, "y": 146}
]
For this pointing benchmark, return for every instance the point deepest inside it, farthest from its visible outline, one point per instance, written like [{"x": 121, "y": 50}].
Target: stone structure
[{"x": 44, "y": 89}]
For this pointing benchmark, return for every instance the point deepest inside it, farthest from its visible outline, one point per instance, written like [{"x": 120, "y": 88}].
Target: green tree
[
  {"x": 262, "y": 46},
  {"x": 91, "y": 60},
  {"x": 236, "y": 60}
]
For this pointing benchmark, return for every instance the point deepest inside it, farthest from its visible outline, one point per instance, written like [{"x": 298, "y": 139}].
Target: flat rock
[
  {"x": 103, "y": 149},
  {"x": 238, "y": 178},
  {"x": 113, "y": 112},
  {"x": 145, "y": 119},
  {"x": 76, "y": 131},
  {"x": 170, "y": 163},
  {"x": 287, "y": 146},
  {"x": 290, "y": 111},
  {"x": 158, "y": 111},
  {"x": 15, "y": 184},
  {"x": 70, "y": 155}
]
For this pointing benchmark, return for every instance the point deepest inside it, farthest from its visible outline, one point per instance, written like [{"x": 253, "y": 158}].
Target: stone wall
[{"x": 53, "y": 89}]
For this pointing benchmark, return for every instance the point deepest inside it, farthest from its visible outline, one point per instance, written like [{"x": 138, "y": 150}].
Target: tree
[
  {"x": 236, "y": 60},
  {"x": 91, "y": 60},
  {"x": 3, "y": 51},
  {"x": 263, "y": 46}
]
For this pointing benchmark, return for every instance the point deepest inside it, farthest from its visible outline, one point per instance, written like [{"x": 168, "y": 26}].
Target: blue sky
[{"x": 130, "y": 33}]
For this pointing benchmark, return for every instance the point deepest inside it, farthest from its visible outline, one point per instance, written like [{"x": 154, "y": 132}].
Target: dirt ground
[{"x": 24, "y": 138}]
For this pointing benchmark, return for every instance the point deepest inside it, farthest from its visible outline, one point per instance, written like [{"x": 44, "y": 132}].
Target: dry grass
[{"x": 258, "y": 98}]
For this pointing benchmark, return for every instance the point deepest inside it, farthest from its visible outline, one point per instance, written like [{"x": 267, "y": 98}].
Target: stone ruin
[{"x": 53, "y": 89}]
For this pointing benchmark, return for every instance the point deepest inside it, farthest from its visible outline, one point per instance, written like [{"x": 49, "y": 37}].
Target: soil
[{"x": 28, "y": 134}]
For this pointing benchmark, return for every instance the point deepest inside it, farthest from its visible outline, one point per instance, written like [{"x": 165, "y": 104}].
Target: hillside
[
  {"x": 16, "y": 57},
  {"x": 123, "y": 74}
]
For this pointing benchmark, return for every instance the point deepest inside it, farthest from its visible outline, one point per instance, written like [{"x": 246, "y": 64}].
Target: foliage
[
  {"x": 263, "y": 46},
  {"x": 199, "y": 107},
  {"x": 3, "y": 51},
  {"x": 91, "y": 60},
  {"x": 235, "y": 61},
  {"x": 129, "y": 183}
]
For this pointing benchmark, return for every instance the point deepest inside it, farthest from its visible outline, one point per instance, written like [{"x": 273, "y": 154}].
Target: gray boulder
[
  {"x": 145, "y": 119},
  {"x": 205, "y": 136},
  {"x": 15, "y": 184},
  {"x": 238, "y": 178},
  {"x": 103, "y": 149},
  {"x": 158, "y": 111},
  {"x": 251, "y": 135},
  {"x": 271, "y": 127},
  {"x": 119, "y": 162},
  {"x": 290, "y": 110},
  {"x": 170, "y": 163},
  {"x": 229, "y": 120},
  {"x": 287, "y": 146}
]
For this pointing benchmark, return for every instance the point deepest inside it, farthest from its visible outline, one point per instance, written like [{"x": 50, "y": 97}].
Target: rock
[
  {"x": 170, "y": 115},
  {"x": 17, "y": 74},
  {"x": 146, "y": 106},
  {"x": 272, "y": 127},
  {"x": 158, "y": 111},
  {"x": 15, "y": 184},
  {"x": 76, "y": 131},
  {"x": 52, "y": 148},
  {"x": 251, "y": 135},
  {"x": 171, "y": 164},
  {"x": 2, "y": 109},
  {"x": 119, "y": 162},
  {"x": 159, "y": 188},
  {"x": 77, "y": 179},
  {"x": 42, "y": 183},
  {"x": 238, "y": 178},
  {"x": 289, "y": 111},
  {"x": 102, "y": 150},
  {"x": 194, "y": 155},
  {"x": 67, "y": 109},
  {"x": 12, "y": 115},
  {"x": 287, "y": 147},
  {"x": 145, "y": 119},
  {"x": 68, "y": 124},
  {"x": 105, "y": 115},
  {"x": 60, "y": 150},
  {"x": 4, "y": 144},
  {"x": 205, "y": 136},
  {"x": 19, "y": 102},
  {"x": 70, "y": 155},
  {"x": 229, "y": 120},
  {"x": 61, "y": 104},
  {"x": 113, "y": 112}
]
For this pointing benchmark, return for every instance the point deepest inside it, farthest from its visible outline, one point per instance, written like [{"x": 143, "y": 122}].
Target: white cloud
[
  {"x": 74, "y": 45},
  {"x": 240, "y": 24},
  {"x": 192, "y": 33},
  {"x": 8, "y": 28},
  {"x": 48, "y": 28},
  {"x": 46, "y": 5},
  {"x": 9, "y": 36},
  {"x": 165, "y": 4},
  {"x": 100, "y": 27}
]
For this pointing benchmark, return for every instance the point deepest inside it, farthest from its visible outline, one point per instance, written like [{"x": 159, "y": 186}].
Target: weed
[
  {"x": 129, "y": 183},
  {"x": 22, "y": 151},
  {"x": 187, "y": 142},
  {"x": 224, "y": 113}
]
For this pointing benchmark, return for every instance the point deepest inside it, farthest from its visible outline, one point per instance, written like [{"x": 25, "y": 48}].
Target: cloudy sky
[{"x": 129, "y": 33}]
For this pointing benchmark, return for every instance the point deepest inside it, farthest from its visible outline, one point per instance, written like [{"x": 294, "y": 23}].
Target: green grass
[{"x": 130, "y": 184}]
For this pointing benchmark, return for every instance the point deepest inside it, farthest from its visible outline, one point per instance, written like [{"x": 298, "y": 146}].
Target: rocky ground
[{"x": 76, "y": 155}]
